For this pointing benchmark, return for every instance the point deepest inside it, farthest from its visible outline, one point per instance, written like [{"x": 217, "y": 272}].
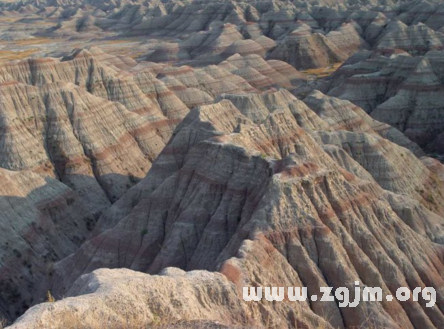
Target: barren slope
[{"x": 237, "y": 196}]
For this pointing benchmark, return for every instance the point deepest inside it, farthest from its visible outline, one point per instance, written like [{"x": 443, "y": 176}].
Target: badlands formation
[{"x": 158, "y": 156}]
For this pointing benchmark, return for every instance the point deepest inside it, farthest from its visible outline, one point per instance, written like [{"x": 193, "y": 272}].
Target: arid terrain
[{"x": 158, "y": 156}]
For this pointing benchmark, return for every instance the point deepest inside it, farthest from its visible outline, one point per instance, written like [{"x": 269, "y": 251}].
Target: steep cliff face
[
  {"x": 87, "y": 141},
  {"x": 95, "y": 123},
  {"x": 264, "y": 201},
  {"x": 307, "y": 50},
  {"x": 405, "y": 92},
  {"x": 81, "y": 134},
  {"x": 195, "y": 155},
  {"x": 42, "y": 221},
  {"x": 344, "y": 115}
]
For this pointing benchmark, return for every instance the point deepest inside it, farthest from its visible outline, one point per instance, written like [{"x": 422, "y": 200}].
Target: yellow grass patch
[
  {"x": 136, "y": 55},
  {"x": 34, "y": 41},
  {"x": 9, "y": 55},
  {"x": 323, "y": 72},
  {"x": 117, "y": 41},
  {"x": 7, "y": 19}
]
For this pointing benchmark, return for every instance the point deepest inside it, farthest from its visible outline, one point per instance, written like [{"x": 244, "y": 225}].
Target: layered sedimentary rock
[
  {"x": 306, "y": 50},
  {"x": 403, "y": 91},
  {"x": 347, "y": 38},
  {"x": 59, "y": 114},
  {"x": 75, "y": 136},
  {"x": 210, "y": 32},
  {"x": 262, "y": 74},
  {"x": 42, "y": 221},
  {"x": 175, "y": 295},
  {"x": 205, "y": 161},
  {"x": 417, "y": 39},
  {"x": 96, "y": 122},
  {"x": 238, "y": 191},
  {"x": 344, "y": 115},
  {"x": 77, "y": 121}
]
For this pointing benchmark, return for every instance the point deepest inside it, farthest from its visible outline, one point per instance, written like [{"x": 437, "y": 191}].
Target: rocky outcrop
[
  {"x": 263, "y": 74},
  {"x": 276, "y": 197},
  {"x": 203, "y": 160},
  {"x": 209, "y": 33},
  {"x": 42, "y": 221},
  {"x": 402, "y": 91},
  {"x": 344, "y": 115},
  {"x": 306, "y": 50},
  {"x": 76, "y": 134},
  {"x": 95, "y": 123},
  {"x": 117, "y": 295},
  {"x": 63, "y": 130},
  {"x": 416, "y": 39},
  {"x": 347, "y": 38}
]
